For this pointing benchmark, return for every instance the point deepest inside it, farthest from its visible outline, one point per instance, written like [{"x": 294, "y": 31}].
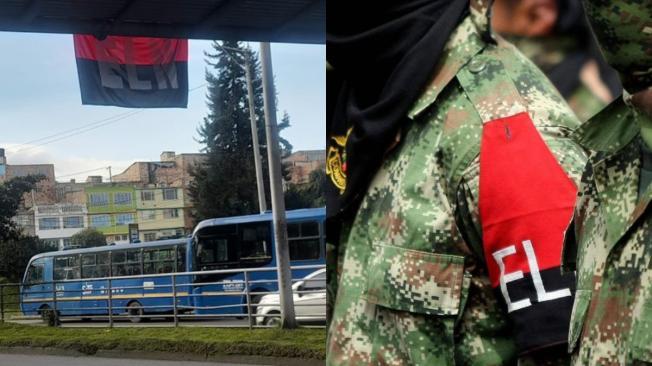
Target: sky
[{"x": 40, "y": 107}]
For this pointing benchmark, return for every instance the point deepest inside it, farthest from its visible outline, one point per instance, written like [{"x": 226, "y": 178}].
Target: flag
[{"x": 133, "y": 72}]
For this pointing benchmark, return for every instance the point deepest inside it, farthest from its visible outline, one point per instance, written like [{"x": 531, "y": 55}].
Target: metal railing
[{"x": 182, "y": 301}]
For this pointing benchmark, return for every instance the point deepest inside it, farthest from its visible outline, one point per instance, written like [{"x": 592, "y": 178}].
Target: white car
[{"x": 309, "y": 306}]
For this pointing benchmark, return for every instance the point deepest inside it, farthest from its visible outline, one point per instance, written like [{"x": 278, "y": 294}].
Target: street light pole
[
  {"x": 262, "y": 204},
  {"x": 288, "y": 320}
]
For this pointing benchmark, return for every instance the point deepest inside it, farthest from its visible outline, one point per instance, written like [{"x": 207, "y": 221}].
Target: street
[{"x": 39, "y": 360}]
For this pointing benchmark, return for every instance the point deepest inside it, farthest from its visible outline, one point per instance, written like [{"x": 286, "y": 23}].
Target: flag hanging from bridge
[{"x": 133, "y": 72}]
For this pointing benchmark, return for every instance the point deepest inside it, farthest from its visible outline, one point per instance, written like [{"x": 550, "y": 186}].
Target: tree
[
  {"x": 88, "y": 238},
  {"x": 225, "y": 184},
  {"x": 11, "y": 197},
  {"x": 16, "y": 248},
  {"x": 307, "y": 195},
  {"x": 15, "y": 254}
]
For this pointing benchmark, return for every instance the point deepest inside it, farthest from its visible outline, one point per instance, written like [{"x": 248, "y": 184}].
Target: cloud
[{"x": 66, "y": 167}]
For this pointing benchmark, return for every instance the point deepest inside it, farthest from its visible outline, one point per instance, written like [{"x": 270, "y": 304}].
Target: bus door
[
  {"x": 36, "y": 289},
  {"x": 214, "y": 251}
]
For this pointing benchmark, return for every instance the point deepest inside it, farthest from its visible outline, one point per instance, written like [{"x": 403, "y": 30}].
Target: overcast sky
[{"x": 39, "y": 97}]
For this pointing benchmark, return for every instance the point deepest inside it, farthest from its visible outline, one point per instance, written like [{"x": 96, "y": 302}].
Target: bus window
[
  {"x": 118, "y": 260},
  {"x": 36, "y": 271},
  {"x": 159, "y": 260},
  {"x": 102, "y": 269},
  {"x": 133, "y": 262},
  {"x": 304, "y": 241},
  {"x": 181, "y": 258},
  {"x": 310, "y": 228},
  {"x": 88, "y": 266},
  {"x": 66, "y": 268},
  {"x": 255, "y": 242}
]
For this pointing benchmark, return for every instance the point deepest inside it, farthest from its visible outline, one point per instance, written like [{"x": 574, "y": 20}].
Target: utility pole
[
  {"x": 110, "y": 175},
  {"x": 288, "y": 320},
  {"x": 262, "y": 204}
]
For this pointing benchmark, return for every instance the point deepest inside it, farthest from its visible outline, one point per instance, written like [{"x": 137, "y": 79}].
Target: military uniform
[
  {"x": 413, "y": 287},
  {"x": 610, "y": 244}
]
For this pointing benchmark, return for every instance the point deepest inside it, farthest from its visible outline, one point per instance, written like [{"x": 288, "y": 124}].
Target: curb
[{"x": 164, "y": 356}]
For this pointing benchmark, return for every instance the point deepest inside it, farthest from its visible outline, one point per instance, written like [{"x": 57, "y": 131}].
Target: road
[{"x": 40, "y": 360}]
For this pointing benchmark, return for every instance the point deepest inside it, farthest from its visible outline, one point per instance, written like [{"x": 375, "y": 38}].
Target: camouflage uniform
[
  {"x": 610, "y": 245},
  {"x": 384, "y": 310}
]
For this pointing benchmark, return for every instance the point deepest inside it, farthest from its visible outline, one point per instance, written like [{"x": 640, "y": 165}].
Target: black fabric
[
  {"x": 165, "y": 91},
  {"x": 542, "y": 324},
  {"x": 385, "y": 54}
]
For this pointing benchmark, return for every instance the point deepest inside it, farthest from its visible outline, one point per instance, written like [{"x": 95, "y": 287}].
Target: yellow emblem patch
[{"x": 336, "y": 160}]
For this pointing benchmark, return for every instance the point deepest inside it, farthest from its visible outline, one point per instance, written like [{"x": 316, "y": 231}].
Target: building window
[
  {"x": 54, "y": 243},
  {"x": 100, "y": 221},
  {"x": 49, "y": 223},
  {"x": 124, "y": 219},
  {"x": 147, "y": 215},
  {"x": 170, "y": 194},
  {"x": 99, "y": 199},
  {"x": 73, "y": 222},
  {"x": 122, "y": 198},
  {"x": 149, "y": 236},
  {"x": 147, "y": 195},
  {"x": 170, "y": 213}
]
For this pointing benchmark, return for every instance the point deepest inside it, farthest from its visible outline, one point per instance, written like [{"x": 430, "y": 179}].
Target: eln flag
[
  {"x": 135, "y": 72},
  {"x": 526, "y": 203}
]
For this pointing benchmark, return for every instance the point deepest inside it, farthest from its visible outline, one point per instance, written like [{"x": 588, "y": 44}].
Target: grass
[{"x": 300, "y": 343}]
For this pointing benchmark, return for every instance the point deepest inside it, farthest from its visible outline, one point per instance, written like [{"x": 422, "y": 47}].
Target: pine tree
[{"x": 225, "y": 185}]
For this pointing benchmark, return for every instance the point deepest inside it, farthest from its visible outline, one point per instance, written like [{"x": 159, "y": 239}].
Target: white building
[{"x": 55, "y": 224}]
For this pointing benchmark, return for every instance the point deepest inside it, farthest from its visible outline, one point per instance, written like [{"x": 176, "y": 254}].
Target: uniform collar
[
  {"x": 611, "y": 129},
  {"x": 464, "y": 43}
]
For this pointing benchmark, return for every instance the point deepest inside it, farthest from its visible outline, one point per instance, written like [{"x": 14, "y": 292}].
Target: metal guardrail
[{"x": 11, "y": 299}]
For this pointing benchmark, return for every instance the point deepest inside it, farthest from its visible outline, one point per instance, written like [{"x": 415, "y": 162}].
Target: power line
[
  {"x": 86, "y": 127},
  {"x": 85, "y": 171}
]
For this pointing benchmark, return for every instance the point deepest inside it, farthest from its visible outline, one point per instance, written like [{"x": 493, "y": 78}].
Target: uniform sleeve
[{"x": 512, "y": 207}]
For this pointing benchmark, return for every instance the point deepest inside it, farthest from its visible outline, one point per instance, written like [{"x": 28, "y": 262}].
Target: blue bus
[
  {"x": 139, "y": 274},
  {"x": 82, "y": 279}
]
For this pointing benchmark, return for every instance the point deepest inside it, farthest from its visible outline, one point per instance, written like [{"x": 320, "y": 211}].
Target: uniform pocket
[
  {"x": 580, "y": 307},
  {"x": 642, "y": 336},
  {"x": 415, "y": 281}
]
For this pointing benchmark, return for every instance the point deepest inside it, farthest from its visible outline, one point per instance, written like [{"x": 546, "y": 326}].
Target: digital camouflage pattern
[
  {"x": 412, "y": 283},
  {"x": 624, "y": 30},
  {"x": 611, "y": 250},
  {"x": 610, "y": 245}
]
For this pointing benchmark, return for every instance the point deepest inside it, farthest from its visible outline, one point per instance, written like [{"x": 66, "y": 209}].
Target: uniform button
[{"x": 477, "y": 65}]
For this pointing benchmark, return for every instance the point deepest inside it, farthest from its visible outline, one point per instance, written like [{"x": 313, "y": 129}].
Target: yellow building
[{"x": 160, "y": 213}]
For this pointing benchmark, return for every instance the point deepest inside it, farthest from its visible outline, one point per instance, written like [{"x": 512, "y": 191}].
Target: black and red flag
[{"x": 134, "y": 72}]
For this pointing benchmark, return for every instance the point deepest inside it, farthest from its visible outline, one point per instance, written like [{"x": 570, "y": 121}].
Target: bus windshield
[{"x": 234, "y": 246}]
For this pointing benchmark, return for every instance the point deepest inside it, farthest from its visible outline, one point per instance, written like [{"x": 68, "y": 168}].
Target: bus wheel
[
  {"x": 49, "y": 316},
  {"x": 135, "y": 312}
]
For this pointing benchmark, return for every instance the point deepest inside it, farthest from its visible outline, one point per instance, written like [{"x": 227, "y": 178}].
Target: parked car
[{"x": 308, "y": 306}]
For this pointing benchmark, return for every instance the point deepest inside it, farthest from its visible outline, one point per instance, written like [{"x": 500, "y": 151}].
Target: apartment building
[
  {"x": 111, "y": 208},
  {"x": 160, "y": 213},
  {"x": 56, "y": 224}
]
